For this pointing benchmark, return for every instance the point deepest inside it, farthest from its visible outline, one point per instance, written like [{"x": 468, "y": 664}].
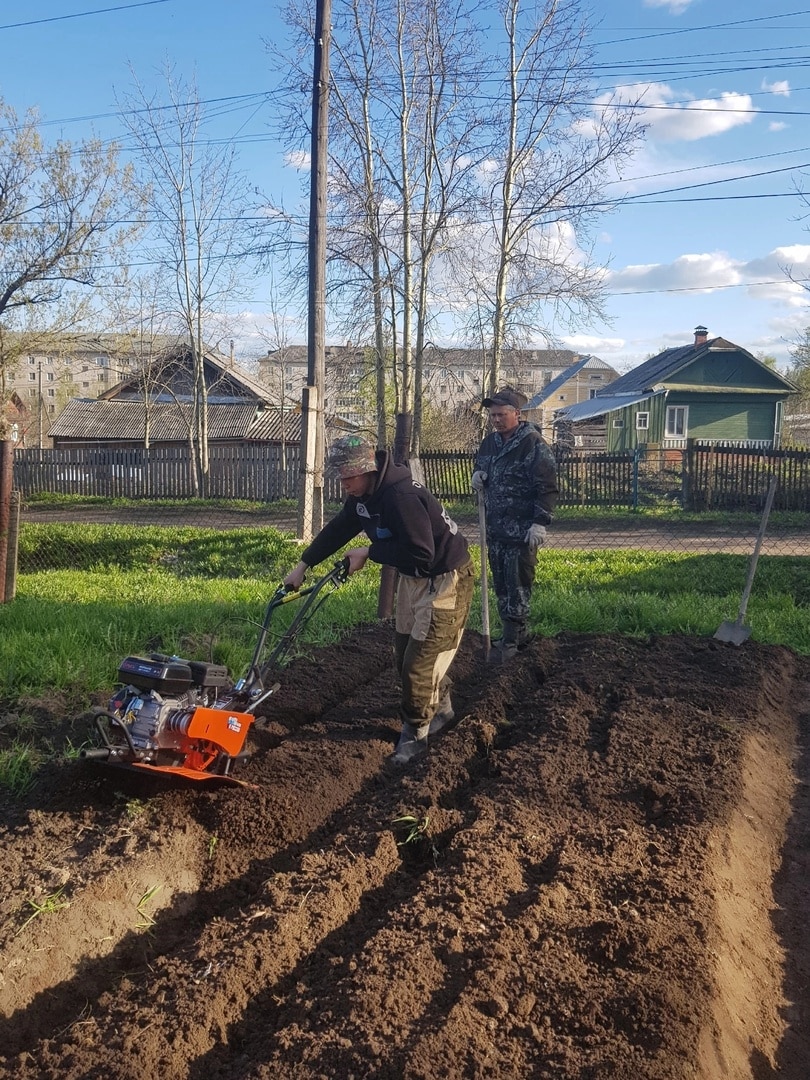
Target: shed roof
[
  {"x": 602, "y": 403},
  {"x": 110, "y": 421},
  {"x": 273, "y": 425}
]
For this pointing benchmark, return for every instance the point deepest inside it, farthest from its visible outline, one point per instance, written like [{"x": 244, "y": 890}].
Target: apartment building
[
  {"x": 453, "y": 378},
  {"x": 45, "y": 380}
]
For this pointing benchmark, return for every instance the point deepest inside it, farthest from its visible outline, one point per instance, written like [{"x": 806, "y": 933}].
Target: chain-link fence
[{"x": 698, "y": 499}]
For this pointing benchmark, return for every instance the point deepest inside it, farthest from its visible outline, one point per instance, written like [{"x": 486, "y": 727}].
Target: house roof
[
  {"x": 232, "y": 382},
  {"x": 273, "y": 425},
  {"x": 658, "y": 369},
  {"x": 565, "y": 376},
  {"x": 110, "y": 421}
]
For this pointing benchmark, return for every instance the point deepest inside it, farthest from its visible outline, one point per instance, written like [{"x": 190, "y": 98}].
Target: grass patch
[
  {"x": 201, "y": 594},
  {"x": 18, "y": 767},
  {"x": 90, "y": 595}
]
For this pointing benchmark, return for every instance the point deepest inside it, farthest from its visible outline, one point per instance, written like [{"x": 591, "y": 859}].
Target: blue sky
[{"x": 712, "y": 218}]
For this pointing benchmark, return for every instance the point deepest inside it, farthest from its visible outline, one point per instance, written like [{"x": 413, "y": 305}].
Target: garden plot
[{"x": 600, "y": 871}]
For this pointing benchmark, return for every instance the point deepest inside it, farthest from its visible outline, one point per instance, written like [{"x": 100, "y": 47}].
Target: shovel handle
[
  {"x": 482, "y": 542},
  {"x": 763, "y": 525}
]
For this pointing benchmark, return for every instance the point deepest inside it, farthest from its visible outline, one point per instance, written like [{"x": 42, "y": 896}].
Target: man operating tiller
[{"x": 408, "y": 529}]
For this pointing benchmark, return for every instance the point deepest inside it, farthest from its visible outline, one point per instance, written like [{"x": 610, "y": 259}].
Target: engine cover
[
  {"x": 168, "y": 675},
  {"x": 191, "y": 732}
]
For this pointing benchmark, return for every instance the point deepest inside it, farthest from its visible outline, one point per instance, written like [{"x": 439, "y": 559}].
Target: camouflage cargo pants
[
  {"x": 430, "y": 618},
  {"x": 512, "y": 567}
]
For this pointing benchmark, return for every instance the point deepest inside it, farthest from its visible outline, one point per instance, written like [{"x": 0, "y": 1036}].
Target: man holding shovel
[{"x": 516, "y": 473}]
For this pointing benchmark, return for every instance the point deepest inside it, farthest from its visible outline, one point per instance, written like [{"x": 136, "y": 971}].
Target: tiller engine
[{"x": 187, "y": 717}]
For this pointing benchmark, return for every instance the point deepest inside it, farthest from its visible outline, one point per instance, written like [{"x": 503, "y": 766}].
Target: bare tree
[
  {"x": 544, "y": 184},
  {"x": 439, "y": 199},
  {"x": 59, "y": 209},
  {"x": 398, "y": 145},
  {"x": 200, "y": 233},
  {"x": 277, "y": 338}
]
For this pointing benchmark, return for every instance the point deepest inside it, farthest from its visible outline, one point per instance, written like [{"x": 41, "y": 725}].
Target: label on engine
[{"x": 233, "y": 724}]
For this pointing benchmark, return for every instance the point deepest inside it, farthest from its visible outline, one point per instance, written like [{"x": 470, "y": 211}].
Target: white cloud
[
  {"x": 697, "y": 119},
  {"x": 298, "y": 159},
  {"x": 675, "y": 7},
  {"x": 710, "y": 272},
  {"x": 695, "y": 271},
  {"x": 486, "y": 168},
  {"x": 781, "y": 87},
  {"x": 774, "y": 268},
  {"x": 669, "y": 118},
  {"x": 591, "y": 343},
  {"x": 777, "y": 125}
]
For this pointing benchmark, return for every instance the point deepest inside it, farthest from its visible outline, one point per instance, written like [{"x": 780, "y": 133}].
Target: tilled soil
[{"x": 600, "y": 871}]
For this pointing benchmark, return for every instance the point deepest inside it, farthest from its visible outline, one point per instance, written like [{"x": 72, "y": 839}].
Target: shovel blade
[{"x": 735, "y": 633}]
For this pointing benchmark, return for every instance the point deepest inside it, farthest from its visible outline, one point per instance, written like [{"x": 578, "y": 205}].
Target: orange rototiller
[{"x": 188, "y": 718}]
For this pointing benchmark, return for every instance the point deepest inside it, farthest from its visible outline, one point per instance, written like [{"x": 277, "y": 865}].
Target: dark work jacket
[
  {"x": 521, "y": 485},
  {"x": 407, "y": 526}
]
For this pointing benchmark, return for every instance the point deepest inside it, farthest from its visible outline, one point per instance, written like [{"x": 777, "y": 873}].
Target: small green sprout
[
  {"x": 48, "y": 906},
  {"x": 144, "y": 914},
  {"x": 416, "y": 827}
]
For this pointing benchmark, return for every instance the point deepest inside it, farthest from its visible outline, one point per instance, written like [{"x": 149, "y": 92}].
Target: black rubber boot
[
  {"x": 413, "y": 744},
  {"x": 508, "y": 645},
  {"x": 444, "y": 715}
]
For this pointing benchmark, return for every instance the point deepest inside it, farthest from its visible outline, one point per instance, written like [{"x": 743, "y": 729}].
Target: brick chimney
[{"x": 701, "y": 335}]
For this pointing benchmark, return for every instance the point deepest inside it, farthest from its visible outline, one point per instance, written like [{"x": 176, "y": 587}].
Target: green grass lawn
[{"x": 88, "y": 595}]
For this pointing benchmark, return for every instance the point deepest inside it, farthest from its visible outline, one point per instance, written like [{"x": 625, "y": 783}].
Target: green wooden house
[{"x": 710, "y": 391}]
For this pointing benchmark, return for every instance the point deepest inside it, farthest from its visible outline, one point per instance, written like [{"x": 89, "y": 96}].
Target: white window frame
[
  {"x": 642, "y": 421},
  {"x": 677, "y": 415},
  {"x": 618, "y": 422}
]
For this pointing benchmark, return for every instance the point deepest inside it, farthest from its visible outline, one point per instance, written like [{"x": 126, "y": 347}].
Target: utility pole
[
  {"x": 310, "y": 504},
  {"x": 39, "y": 410}
]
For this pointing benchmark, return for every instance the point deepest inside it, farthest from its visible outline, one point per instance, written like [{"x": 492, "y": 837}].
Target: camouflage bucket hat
[{"x": 351, "y": 456}]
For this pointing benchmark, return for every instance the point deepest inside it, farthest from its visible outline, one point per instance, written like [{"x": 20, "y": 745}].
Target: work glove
[
  {"x": 478, "y": 480},
  {"x": 535, "y": 537}
]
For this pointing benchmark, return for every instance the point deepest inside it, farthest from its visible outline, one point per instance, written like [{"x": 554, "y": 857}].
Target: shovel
[
  {"x": 735, "y": 633},
  {"x": 482, "y": 542}
]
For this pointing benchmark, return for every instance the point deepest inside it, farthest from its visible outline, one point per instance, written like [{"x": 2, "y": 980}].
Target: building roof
[
  {"x": 655, "y": 371},
  {"x": 565, "y": 376},
  {"x": 275, "y": 425},
  {"x": 602, "y": 403},
  {"x": 232, "y": 382},
  {"x": 111, "y": 421}
]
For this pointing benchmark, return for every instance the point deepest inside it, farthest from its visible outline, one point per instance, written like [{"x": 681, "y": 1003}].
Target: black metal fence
[{"x": 697, "y": 477}]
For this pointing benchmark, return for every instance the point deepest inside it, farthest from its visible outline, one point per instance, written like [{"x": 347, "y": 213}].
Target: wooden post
[
  {"x": 6, "y": 484},
  {"x": 311, "y": 506},
  {"x": 12, "y": 546},
  {"x": 306, "y": 500}
]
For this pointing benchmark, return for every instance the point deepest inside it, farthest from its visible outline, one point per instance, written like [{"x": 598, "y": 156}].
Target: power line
[
  {"x": 701, "y": 288},
  {"x": 82, "y": 14},
  {"x": 733, "y": 25}
]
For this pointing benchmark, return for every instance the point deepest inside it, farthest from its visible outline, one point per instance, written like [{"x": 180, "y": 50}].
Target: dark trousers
[{"x": 512, "y": 565}]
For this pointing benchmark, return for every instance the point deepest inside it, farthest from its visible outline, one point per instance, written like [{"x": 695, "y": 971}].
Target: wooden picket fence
[{"x": 696, "y": 477}]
